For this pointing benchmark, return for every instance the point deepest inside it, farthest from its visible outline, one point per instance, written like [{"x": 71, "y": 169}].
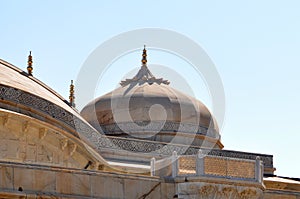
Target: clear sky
[{"x": 255, "y": 46}]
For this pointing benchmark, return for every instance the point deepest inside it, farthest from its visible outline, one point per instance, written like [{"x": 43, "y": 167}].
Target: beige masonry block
[
  {"x": 36, "y": 180},
  {"x": 32, "y": 135},
  {"x": 73, "y": 183},
  {"x": 31, "y": 196},
  {"x": 107, "y": 187},
  {"x": 15, "y": 129},
  {"x": 279, "y": 196},
  {"x": 3, "y": 148},
  {"x": 12, "y": 149},
  {"x": 52, "y": 140},
  {"x": 3, "y": 131},
  {"x": 136, "y": 188},
  {"x": 44, "y": 155},
  {"x": 80, "y": 159},
  {"x": 6, "y": 177},
  {"x": 31, "y": 153},
  {"x": 167, "y": 190}
]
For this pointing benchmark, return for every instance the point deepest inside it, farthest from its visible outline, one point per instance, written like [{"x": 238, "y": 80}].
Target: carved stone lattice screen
[
  {"x": 187, "y": 165},
  {"x": 229, "y": 167},
  {"x": 208, "y": 166},
  {"x": 215, "y": 166}
]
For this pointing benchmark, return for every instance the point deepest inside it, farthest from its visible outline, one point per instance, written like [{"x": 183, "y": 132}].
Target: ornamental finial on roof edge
[
  {"x": 72, "y": 96},
  {"x": 29, "y": 62}
]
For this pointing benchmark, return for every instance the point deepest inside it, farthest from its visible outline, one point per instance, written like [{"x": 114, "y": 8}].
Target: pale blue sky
[{"x": 254, "y": 44}]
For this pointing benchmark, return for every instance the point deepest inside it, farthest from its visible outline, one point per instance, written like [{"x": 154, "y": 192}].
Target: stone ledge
[
  {"x": 76, "y": 171},
  {"x": 39, "y": 181}
]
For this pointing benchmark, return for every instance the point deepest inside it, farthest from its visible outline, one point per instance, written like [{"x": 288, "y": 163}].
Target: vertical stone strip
[
  {"x": 258, "y": 170},
  {"x": 152, "y": 165},
  {"x": 200, "y": 163},
  {"x": 174, "y": 164}
]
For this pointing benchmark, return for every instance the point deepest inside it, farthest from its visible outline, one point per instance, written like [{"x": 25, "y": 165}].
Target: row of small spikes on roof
[
  {"x": 72, "y": 96},
  {"x": 29, "y": 72}
]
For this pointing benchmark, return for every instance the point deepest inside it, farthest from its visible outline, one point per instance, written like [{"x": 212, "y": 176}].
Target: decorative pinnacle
[
  {"x": 72, "y": 97},
  {"x": 29, "y": 62},
  {"x": 144, "y": 60},
  {"x": 144, "y": 75}
]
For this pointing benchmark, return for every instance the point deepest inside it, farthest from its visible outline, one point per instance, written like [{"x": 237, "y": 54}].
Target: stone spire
[
  {"x": 29, "y": 62},
  {"x": 72, "y": 96}
]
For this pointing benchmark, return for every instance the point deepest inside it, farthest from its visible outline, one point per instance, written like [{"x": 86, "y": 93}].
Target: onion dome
[{"x": 146, "y": 107}]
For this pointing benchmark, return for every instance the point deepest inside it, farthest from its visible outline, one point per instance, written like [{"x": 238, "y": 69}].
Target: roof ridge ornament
[
  {"x": 29, "y": 62},
  {"x": 144, "y": 75}
]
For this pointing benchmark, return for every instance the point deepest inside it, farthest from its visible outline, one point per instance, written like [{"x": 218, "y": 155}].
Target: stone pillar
[
  {"x": 174, "y": 164},
  {"x": 200, "y": 163},
  {"x": 152, "y": 166}
]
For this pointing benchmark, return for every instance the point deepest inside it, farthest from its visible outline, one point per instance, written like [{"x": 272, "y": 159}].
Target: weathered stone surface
[
  {"x": 73, "y": 183},
  {"x": 204, "y": 190},
  {"x": 167, "y": 190},
  {"x": 32, "y": 141},
  {"x": 135, "y": 188},
  {"x": 107, "y": 187},
  {"x": 6, "y": 177},
  {"x": 280, "y": 196},
  {"x": 34, "y": 180}
]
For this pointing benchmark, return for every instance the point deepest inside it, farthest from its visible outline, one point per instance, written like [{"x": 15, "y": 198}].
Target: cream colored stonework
[{"x": 27, "y": 140}]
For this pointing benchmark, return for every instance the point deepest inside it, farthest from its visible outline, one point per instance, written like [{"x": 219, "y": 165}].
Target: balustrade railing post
[
  {"x": 227, "y": 166},
  {"x": 200, "y": 163},
  {"x": 152, "y": 165},
  {"x": 258, "y": 170},
  {"x": 261, "y": 171},
  {"x": 174, "y": 164}
]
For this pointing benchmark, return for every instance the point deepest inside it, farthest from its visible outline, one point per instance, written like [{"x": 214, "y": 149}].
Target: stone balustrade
[{"x": 208, "y": 166}]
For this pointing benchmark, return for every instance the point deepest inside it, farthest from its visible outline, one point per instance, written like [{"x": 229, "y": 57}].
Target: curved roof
[
  {"x": 29, "y": 96},
  {"x": 148, "y": 102},
  {"x": 14, "y": 77}
]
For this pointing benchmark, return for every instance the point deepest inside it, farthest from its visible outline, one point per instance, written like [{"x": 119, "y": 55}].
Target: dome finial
[
  {"x": 29, "y": 62},
  {"x": 144, "y": 75},
  {"x": 72, "y": 96},
  {"x": 144, "y": 59}
]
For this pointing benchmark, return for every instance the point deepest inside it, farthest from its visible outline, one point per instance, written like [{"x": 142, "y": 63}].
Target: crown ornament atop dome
[
  {"x": 144, "y": 59},
  {"x": 144, "y": 75}
]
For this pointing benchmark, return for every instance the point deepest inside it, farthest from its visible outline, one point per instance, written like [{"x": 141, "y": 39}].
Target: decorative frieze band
[{"x": 154, "y": 126}]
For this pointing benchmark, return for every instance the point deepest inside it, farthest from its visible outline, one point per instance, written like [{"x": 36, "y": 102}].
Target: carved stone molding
[
  {"x": 5, "y": 120},
  {"x": 63, "y": 143},
  {"x": 42, "y": 133},
  {"x": 208, "y": 191}
]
